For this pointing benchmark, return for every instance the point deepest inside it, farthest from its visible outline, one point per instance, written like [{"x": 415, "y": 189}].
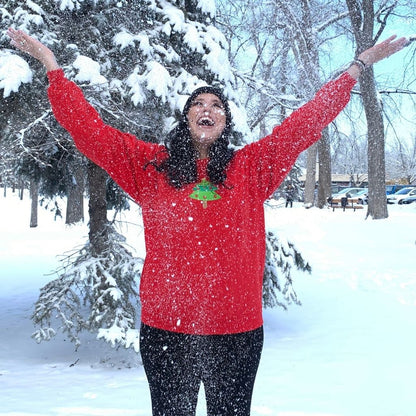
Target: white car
[
  {"x": 353, "y": 195},
  {"x": 348, "y": 192},
  {"x": 400, "y": 195}
]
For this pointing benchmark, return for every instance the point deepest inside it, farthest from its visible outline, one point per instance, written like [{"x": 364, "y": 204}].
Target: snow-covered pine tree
[
  {"x": 281, "y": 257},
  {"x": 137, "y": 62},
  {"x": 41, "y": 152}
]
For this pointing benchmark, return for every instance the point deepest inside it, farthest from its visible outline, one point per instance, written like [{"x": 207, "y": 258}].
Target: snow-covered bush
[{"x": 97, "y": 294}]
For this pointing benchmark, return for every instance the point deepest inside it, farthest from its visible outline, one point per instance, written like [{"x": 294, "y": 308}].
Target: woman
[{"x": 202, "y": 204}]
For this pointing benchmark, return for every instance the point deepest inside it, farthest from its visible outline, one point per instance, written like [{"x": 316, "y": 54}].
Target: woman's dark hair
[{"x": 180, "y": 166}]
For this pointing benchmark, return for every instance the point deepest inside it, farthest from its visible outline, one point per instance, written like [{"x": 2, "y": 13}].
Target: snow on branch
[
  {"x": 207, "y": 7},
  {"x": 88, "y": 70},
  {"x": 35, "y": 7},
  {"x": 174, "y": 15},
  {"x": 25, "y": 19},
  {"x": 68, "y": 4},
  {"x": 217, "y": 61},
  {"x": 124, "y": 39},
  {"x": 193, "y": 40},
  {"x": 97, "y": 294},
  {"x": 14, "y": 71},
  {"x": 158, "y": 80}
]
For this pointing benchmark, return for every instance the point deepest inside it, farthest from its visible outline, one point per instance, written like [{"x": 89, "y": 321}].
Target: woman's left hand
[
  {"x": 383, "y": 50},
  {"x": 376, "y": 53}
]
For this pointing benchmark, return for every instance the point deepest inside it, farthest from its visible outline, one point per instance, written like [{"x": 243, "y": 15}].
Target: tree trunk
[
  {"x": 310, "y": 181},
  {"x": 362, "y": 19},
  {"x": 324, "y": 179},
  {"x": 75, "y": 199},
  {"x": 34, "y": 196},
  {"x": 377, "y": 203},
  {"x": 21, "y": 188},
  {"x": 97, "y": 209}
]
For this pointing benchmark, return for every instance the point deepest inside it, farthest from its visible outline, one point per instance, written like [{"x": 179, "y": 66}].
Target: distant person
[
  {"x": 202, "y": 207},
  {"x": 289, "y": 195}
]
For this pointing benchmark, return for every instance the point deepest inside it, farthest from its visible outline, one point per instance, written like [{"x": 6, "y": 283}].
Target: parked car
[
  {"x": 337, "y": 188},
  {"x": 409, "y": 200},
  {"x": 392, "y": 189},
  {"x": 353, "y": 195},
  {"x": 362, "y": 196},
  {"x": 348, "y": 192},
  {"x": 398, "y": 197}
]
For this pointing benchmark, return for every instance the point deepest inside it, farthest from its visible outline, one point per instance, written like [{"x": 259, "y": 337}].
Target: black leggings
[{"x": 176, "y": 364}]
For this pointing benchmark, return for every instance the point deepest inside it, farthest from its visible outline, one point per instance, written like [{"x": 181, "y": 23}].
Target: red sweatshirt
[{"x": 205, "y": 244}]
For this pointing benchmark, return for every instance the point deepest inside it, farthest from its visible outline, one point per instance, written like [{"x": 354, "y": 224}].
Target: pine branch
[{"x": 281, "y": 257}]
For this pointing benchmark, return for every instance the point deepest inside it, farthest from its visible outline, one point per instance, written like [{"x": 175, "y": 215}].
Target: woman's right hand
[{"x": 33, "y": 47}]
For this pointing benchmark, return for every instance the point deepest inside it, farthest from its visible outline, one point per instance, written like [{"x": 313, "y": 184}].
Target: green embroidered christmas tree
[{"x": 204, "y": 192}]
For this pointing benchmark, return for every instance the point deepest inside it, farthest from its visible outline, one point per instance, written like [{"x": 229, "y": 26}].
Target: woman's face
[{"x": 206, "y": 121}]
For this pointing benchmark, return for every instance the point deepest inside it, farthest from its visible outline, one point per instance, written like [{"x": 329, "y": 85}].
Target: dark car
[
  {"x": 392, "y": 189},
  {"x": 409, "y": 200}
]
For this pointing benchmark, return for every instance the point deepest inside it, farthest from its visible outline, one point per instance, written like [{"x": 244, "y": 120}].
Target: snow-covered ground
[{"x": 349, "y": 350}]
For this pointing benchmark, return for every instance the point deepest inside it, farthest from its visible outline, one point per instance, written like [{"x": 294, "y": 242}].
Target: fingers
[
  {"x": 388, "y": 40},
  {"x": 18, "y": 39},
  {"x": 383, "y": 50},
  {"x": 402, "y": 42},
  {"x": 396, "y": 46}
]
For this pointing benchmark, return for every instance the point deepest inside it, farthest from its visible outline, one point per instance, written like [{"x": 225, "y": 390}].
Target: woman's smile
[{"x": 206, "y": 120}]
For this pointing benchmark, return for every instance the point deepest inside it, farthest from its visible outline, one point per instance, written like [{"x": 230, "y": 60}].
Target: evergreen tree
[{"x": 136, "y": 62}]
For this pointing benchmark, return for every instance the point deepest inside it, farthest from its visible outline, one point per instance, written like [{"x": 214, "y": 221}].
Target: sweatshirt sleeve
[
  {"x": 271, "y": 158},
  {"x": 122, "y": 155}
]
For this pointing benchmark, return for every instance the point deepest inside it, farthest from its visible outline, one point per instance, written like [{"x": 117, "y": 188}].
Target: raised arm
[
  {"x": 310, "y": 119},
  {"x": 272, "y": 157},
  {"x": 120, "y": 154},
  {"x": 69, "y": 105},
  {"x": 33, "y": 47}
]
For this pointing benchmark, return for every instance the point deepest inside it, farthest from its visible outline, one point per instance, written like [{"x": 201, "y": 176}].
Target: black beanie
[{"x": 208, "y": 90}]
